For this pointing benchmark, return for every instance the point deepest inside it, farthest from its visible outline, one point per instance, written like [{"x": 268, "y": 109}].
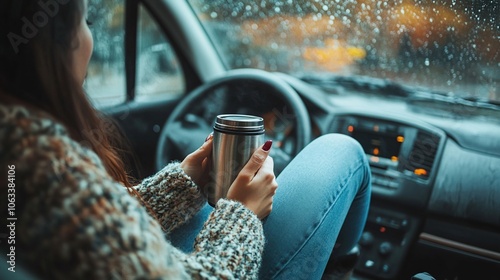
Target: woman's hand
[
  {"x": 195, "y": 165},
  {"x": 256, "y": 184}
]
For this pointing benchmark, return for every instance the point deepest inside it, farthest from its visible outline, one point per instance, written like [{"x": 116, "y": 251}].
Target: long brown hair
[{"x": 36, "y": 68}]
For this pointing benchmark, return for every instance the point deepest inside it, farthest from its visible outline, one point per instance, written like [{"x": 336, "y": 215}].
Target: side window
[
  {"x": 159, "y": 74},
  {"x": 105, "y": 83}
]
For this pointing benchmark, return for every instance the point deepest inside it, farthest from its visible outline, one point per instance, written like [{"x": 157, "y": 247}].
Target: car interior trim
[
  {"x": 131, "y": 16},
  {"x": 460, "y": 246}
]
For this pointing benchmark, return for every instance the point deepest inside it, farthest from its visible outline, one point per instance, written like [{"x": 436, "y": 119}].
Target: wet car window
[
  {"x": 158, "y": 72},
  {"x": 159, "y": 75},
  {"x": 105, "y": 83},
  {"x": 448, "y": 46}
]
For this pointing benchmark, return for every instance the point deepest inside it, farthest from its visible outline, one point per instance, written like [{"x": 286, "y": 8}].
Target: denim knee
[{"x": 329, "y": 143}]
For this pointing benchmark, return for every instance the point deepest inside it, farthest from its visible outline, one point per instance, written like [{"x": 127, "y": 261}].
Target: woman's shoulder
[
  {"x": 31, "y": 131},
  {"x": 19, "y": 121}
]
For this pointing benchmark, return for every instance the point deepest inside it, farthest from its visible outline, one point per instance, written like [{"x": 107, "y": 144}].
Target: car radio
[{"x": 394, "y": 150}]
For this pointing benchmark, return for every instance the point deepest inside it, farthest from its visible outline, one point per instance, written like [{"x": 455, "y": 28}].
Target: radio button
[{"x": 385, "y": 249}]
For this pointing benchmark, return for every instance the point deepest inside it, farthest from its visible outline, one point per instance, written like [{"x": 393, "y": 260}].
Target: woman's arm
[{"x": 172, "y": 196}]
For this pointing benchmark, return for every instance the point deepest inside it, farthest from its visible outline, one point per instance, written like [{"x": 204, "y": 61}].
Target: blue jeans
[{"x": 319, "y": 209}]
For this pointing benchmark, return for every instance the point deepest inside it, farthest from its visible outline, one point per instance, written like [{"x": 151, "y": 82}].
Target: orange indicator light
[
  {"x": 350, "y": 128},
  {"x": 400, "y": 139},
  {"x": 420, "y": 171},
  {"x": 376, "y": 151},
  {"x": 394, "y": 158}
]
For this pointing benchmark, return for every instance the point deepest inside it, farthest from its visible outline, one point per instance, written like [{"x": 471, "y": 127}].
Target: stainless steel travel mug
[{"x": 236, "y": 137}]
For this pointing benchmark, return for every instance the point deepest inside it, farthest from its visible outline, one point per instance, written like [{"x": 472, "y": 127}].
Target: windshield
[{"x": 448, "y": 46}]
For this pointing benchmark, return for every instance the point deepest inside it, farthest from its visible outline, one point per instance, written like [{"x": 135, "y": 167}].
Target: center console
[{"x": 403, "y": 157}]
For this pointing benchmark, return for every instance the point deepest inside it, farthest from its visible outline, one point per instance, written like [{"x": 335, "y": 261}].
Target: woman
[{"x": 79, "y": 216}]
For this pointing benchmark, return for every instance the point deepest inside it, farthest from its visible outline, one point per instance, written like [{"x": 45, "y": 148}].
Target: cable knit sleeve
[
  {"x": 172, "y": 195},
  {"x": 76, "y": 222}
]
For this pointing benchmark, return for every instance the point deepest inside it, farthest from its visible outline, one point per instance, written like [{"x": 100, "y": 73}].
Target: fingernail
[
  {"x": 210, "y": 136},
  {"x": 267, "y": 145}
]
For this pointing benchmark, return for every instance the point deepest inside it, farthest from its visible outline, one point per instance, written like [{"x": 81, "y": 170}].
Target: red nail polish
[
  {"x": 267, "y": 145},
  {"x": 210, "y": 136}
]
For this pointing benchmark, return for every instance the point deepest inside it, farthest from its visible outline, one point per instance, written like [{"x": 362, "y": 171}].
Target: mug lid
[{"x": 238, "y": 122}]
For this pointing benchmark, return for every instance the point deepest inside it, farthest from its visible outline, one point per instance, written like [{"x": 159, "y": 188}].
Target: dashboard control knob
[
  {"x": 385, "y": 248},
  {"x": 366, "y": 239}
]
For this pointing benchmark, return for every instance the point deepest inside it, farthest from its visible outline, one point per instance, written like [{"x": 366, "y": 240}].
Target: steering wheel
[{"x": 192, "y": 119}]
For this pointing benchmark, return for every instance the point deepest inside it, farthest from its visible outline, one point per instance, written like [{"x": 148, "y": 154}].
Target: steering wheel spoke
[{"x": 184, "y": 140}]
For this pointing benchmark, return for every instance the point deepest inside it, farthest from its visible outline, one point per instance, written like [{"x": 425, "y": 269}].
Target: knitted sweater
[{"x": 74, "y": 221}]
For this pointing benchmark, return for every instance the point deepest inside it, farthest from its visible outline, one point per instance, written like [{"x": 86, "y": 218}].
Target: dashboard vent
[{"x": 423, "y": 153}]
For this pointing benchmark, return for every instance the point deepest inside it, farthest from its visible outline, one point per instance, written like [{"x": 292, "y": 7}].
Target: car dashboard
[{"x": 435, "y": 182}]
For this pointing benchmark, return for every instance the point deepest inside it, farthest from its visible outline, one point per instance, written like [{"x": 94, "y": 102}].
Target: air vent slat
[{"x": 423, "y": 154}]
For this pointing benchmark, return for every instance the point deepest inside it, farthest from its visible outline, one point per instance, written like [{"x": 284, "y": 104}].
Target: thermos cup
[{"x": 236, "y": 137}]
